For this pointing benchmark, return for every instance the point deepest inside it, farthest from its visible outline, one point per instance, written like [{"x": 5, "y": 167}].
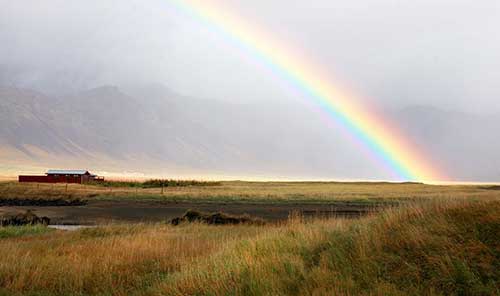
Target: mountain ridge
[{"x": 154, "y": 128}]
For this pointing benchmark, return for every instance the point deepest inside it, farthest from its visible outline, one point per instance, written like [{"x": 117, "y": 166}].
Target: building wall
[
  {"x": 53, "y": 179},
  {"x": 39, "y": 179}
]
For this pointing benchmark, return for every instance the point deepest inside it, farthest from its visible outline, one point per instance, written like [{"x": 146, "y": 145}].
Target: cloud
[
  {"x": 394, "y": 54},
  {"x": 438, "y": 52}
]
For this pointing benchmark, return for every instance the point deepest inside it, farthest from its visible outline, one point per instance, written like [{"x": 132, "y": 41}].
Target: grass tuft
[{"x": 17, "y": 231}]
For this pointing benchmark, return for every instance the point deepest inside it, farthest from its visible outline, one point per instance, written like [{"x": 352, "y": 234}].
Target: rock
[
  {"x": 214, "y": 218},
  {"x": 28, "y": 218}
]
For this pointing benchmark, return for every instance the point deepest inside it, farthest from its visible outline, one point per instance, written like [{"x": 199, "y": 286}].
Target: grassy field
[
  {"x": 237, "y": 191},
  {"x": 443, "y": 247},
  {"x": 440, "y": 240}
]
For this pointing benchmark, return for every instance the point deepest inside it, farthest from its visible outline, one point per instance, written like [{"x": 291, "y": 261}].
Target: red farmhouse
[{"x": 62, "y": 176}]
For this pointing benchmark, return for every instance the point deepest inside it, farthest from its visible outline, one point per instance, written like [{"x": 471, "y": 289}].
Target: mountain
[
  {"x": 101, "y": 121},
  {"x": 152, "y": 128},
  {"x": 27, "y": 119}
]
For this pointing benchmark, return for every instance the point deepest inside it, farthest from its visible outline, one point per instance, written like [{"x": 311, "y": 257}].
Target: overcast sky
[
  {"x": 407, "y": 58},
  {"x": 440, "y": 52}
]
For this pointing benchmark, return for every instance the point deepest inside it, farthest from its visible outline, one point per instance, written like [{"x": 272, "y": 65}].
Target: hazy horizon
[{"x": 193, "y": 102}]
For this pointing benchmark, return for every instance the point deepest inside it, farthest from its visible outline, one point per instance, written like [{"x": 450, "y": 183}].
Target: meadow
[
  {"x": 434, "y": 248},
  {"x": 240, "y": 191},
  {"x": 439, "y": 240}
]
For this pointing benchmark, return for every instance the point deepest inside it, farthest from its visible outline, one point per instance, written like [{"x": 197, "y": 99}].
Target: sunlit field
[
  {"x": 428, "y": 247},
  {"x": 251, "y": 191},
  {"x": 437, "y": 240}
]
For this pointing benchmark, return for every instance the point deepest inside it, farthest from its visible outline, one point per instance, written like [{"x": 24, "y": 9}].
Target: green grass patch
[
  {"x": 117, "y": 184},
  {"x": 155, "y": 183},
  {"x": 17, "y": 231}
]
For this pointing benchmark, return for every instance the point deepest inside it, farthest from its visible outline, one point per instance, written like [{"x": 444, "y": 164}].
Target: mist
[{"x": 429, "y": 66}]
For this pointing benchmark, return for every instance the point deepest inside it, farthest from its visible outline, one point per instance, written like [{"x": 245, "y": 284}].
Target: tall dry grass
[
  {"x": 115, "y": 260},
  {"x": 445, "y": 247}
]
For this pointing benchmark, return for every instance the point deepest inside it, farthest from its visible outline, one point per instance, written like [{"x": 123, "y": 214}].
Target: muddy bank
[
  {"x": 215, "y": 219},
  {"x": 19, "y": 202},
  {"x": 20, "y": 219},
  {"x": 100, "y": 212}
]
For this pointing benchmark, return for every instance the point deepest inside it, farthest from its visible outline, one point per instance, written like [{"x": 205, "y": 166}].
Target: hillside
[
  {"x": 155, "y": 127},
  {"x": 151, "y": 128},
  {"x": 101, "y": 121}
]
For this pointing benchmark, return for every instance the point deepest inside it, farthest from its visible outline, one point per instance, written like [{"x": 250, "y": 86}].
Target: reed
[{"x": 446, "y": 246}]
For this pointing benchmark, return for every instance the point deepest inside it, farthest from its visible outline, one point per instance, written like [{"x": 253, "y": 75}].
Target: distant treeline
[{"x": 155, "y": 183}]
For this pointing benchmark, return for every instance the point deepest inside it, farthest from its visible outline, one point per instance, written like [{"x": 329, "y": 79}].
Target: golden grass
[
  {"x": 252, "y": 192},
  {"x": 447, "y": 246},
  {"x": 433, "y": 249},
  {"x": 110, "y": 260}
]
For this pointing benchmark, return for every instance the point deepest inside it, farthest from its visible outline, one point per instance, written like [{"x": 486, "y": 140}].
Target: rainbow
[{"x": 382, "y": 140}]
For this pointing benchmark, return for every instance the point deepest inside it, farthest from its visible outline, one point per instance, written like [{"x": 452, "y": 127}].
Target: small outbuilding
[{"x": 63, "y": 176}]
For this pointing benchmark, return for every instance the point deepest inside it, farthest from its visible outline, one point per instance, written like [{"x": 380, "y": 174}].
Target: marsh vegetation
[
  {"x": 433, "y": 248},
  {"x": 438, "y": 240}
]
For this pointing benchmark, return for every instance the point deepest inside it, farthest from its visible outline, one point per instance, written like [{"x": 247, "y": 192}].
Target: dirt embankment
[
  {"x": 27, "y": 218},
  {"x": 215, "y": 218},
  {"x": 20, "y": 202}
]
